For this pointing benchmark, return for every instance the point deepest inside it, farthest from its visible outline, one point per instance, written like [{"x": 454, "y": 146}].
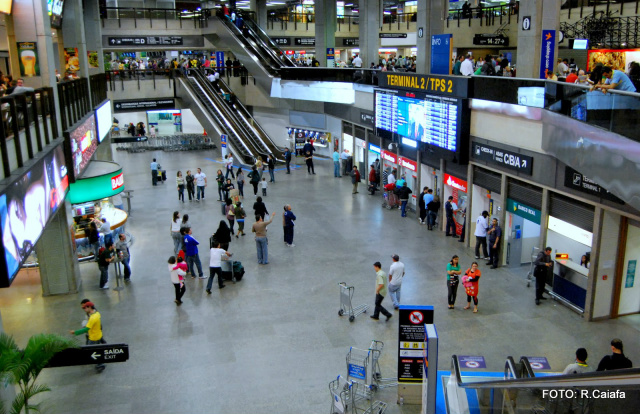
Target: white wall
[
  {"x": 563, "y": 244},
  {"x": 274, "y": 122},
  {"x": 530, "y": 239},
  {"x": 630, "y": 297},
  {"x": 515, "y": 131},
  {"x": 603, "y": 294},
  {"x": 190, "y": 124},
  {"x": 334, "y": 126}
]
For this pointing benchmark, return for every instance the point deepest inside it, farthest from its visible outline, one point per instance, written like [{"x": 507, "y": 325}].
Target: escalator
[
  {"x": 257, "y": 52},
  {"x": 522, "y": 391},
  {"x": 251, "y": 131}
]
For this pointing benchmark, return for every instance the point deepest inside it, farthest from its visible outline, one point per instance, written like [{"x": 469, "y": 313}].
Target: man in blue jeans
[
  {"x": 260, "y": 229},
  {"x": 403, "y": 194},
  {"x": 191, "y": 254},
  {"x": 336, "y": 163},
  {"x": 154, "y": 172},
  {"x": 215, "y": 266},
  {"x": 450, "y": 209},
  {"x": 104, "y": 259}
]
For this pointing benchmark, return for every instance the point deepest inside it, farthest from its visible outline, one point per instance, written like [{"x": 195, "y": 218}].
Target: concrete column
[
  {"x": 598, "y": 218},
  {"x": 443, "y": 218},
  {"x": 469, "y": 216},
  {"x": 325, "y": 29},
  {"x": 94, "y": 35},
  {"x": 74, "y": 37},
  {"x": 544, "y": 218},
  {"x": 502, "y": 217},
  {"x": 56, "y": 250},
  {"x": 431, "y": 18},
  {"x": 370, "y": 23},
  {"x": 367, "y": 162},
  {"x": 260, "y": 7},
  {"x": 545, "y": 15}
]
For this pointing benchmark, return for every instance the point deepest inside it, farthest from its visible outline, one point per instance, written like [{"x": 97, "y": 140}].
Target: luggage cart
[
  {"x": 358, "y": 361},
  {"x": 534, "y": 255},
  {"x": 377, "y": 381},
  {"x": 390, "y": 200},
  {"x": 341, "y": 396},
  {"x": 346, "y": 306},
  {"x": 360, "y": 405}
]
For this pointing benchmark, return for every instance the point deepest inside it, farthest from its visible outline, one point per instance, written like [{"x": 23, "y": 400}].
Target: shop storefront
[
  {"x": 457, "y": 188},
  {"x": 409, "y": 169},
  {"x": 166, "y": 122},
  {"x": 485, "y": 196},
  {"x": 389, "y": 161},
  {"x": 522, "y": 233},
  {"x": 91, "y": 199}
]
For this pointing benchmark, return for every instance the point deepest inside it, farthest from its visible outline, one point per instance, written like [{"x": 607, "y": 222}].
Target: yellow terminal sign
[{"x": 425, "y": 83}]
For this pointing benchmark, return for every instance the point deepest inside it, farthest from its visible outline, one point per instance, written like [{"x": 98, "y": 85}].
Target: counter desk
[{"x": 570, "y": 283}]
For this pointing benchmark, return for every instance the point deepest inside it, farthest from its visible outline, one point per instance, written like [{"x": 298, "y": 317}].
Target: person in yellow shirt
[{"x": 93, "y": 328}]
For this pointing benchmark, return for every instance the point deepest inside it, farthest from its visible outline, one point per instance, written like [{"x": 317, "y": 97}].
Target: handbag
[{"x": 453, "y": 280}]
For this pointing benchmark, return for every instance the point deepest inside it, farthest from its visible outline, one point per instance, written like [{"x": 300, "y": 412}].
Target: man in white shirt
[
  {"x": 396, "y": 273},
  {"x": 481, "y": 234},
  {"x": 344, "y": 157},
  {"x": 467, "y": 67},
  {"x": 391, "y": 178},
  {"x": 215, "y": 266},
  {"x": 357, "y": 62},
  {"x": 229, "y": 165},
  {"x": 201, "y": 183}
]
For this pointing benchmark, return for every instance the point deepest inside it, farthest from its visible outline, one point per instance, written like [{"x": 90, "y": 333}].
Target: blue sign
[
  {"x": 472, "y": 362},
  {"x": 374, "y": 148},
  {"x": 356, "y": 371},
  {"x": 539, "y": 362},
  {"x": 220, "y": 60},
  {"x": 441, "y": 54},
  {"x": 223, "y": 141},
  {"x": 547, "y": 53}
]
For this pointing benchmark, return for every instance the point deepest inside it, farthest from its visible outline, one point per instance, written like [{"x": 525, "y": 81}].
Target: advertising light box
[
  {"x": 26, "y": 206},
  {"x": 104, "y": 119},
  {"x": 102, "y": 179},
  {"x": 81, "y": 142}
]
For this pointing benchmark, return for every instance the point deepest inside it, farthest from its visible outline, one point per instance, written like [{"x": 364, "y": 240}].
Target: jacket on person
[
  {"x": 355, "y": 176},
  {"x": 403, "y": 192}
]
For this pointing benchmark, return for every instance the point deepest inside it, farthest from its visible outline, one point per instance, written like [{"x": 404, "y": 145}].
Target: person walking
[
  {"x": 180, "y": 184},
  {"x": 124, "y": 256},
  {"x": 177, "y": 278},
  {"x": 355, "y": 179},
  {"x": 453, "y": 272},
  {"x": 470, "y": 283},
  {"x": 259, "y": 208},
  {"x": 422, "y": 206},
  {"x": 93, "y": 328},
  {"x": 542, "y": 265},
  {"x": 432, "y": 211},
  {"x": 191, "y": 189},
  {"x": 191, "y": 253},
  {"x": 230, "y": 213},
  {"x": 404, "y": 193},
  {"x": 381, "y": 292},
  {"x": 259, "y": 166},
  {"x": 336, "y": 163},
  {"x": 254, "y": 179},
  {"x": 104, "y": 258},
  {"x": 308, "y": 159},
  {"x": 240, "y": 217},
  {"x": 616, "y": 360},
  {"x": 271, "y": 164},
  {"x": 495, "y": 237},
  {"x": 260, "y": 229},
  {"x": 264, "y": 186},
  {"x": 215, "y": 265},
  {"x": 287, "y": 160},
  {"x": 93, "y": 236},
  {"x": 174, "y": 228},
  {"x": 449, "y": 212},
  {"x": 223, "y": 235},
  {"x": 220, "y": 181},
  {"x": 226, "y": 189},
  {"x": 154, "y": 172},
  {"x": 288, "y": 224},
  {"x": 240, "y": 181},
  {"x": 201, "y": 183},
  {"x": 373, "y": 180},
  {"x": 396, "y": 274},
  {"x": 229, "y": 165},
  {"x": 481, "y": 235}
]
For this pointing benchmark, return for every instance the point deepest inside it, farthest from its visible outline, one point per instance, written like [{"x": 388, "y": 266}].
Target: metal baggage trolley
[
  {"x": 390, "y": 200},
  {"x": 358, "y": 361},
  {"x": 534, "y": 256},
  {"x": 377, "y": 381},
  {"x": 365, "y": 405},
  {"x": 346, "y": 398},
  {"x": 346, "y": 306}
]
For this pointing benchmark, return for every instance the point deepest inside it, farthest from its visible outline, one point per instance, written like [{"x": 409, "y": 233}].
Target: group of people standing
[{"x": 191, "y": 182}]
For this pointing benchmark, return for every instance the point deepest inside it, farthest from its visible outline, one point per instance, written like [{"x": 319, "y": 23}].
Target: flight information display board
[{"x": 430, "y": 119}]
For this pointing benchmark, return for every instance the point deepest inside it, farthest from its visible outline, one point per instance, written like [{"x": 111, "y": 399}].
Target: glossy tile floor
[{"x": 272, "y": 342}]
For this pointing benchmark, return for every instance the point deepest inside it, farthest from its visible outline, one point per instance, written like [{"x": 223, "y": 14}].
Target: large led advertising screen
[
  {"x": 27, "y": 205},
  {"x": 81, "y": 142},
  {"x": 425, "y": 118},
  {"x": 54, "y": 8},
  {"x": 104, "y": 118}
]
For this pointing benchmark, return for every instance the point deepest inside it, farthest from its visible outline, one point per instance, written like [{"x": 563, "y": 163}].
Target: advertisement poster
[
  {"x": 631, "y": 273},
  {"x": 547, "y": 52},
  {"x": 72, "y": 63},
  {"x": 29, "y": 65},
  {"x": 92, "y": 57},
  {"x": 441, "y": 49}
]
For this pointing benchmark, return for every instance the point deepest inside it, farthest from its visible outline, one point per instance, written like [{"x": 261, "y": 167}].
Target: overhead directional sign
[
  {"x": 89, "y": 355},
  {"x": 125, "y": 139},
  {"x": 490, "y": 40},
  {"x": 145, "y": 41},
  {"x": 508, "y": 159},
  {"x": 143, "y": 104}
]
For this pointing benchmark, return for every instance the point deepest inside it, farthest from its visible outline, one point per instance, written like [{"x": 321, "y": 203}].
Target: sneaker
[
  {"x": 202, "y": 277},
  {"x": 389, "y": 317},
  {"x": 208, "y": 291},
  {"x": 105, "y": 287},
  {"x": 127, "y": 280},
  {"x": 373, "y": 317},
  {"x": 292, "y": 245},
  {"x": 220, "y": 287},
  {"x": 477, "y": 257}
]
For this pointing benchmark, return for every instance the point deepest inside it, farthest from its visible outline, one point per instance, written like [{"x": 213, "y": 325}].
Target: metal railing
[
  {"x": 198, "y": 17},
  {"x": 487, "y": 16},
  {"x": 605, "y": 31},
  {"x": 28, "y": 119},
  {"x": 632, "y": 5},
  {"x": 113, "y": 78},
  {"x": 74, "y": 101},
  {"x": 98, "y": 84},
  {"x": 399, "y": 20}
]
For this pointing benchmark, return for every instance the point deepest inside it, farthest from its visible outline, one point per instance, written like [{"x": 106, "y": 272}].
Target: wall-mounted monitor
[
  {"x": 582, "y": 44},
  {"x": 6, "y": 6},
  {"x": 54, "y": 8},
  {"x": 26, "y": 206},
  {"x": 104, "y": 119},
  {"x": 424, "y": 118},
  {"x": 81, "y": 142}
]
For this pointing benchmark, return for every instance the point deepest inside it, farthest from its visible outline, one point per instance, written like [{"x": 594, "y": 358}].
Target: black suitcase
[{"x": 236, "y": 273}]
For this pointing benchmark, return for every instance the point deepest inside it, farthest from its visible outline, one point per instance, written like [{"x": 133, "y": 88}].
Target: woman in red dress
[{"x": 470, "y": 283}]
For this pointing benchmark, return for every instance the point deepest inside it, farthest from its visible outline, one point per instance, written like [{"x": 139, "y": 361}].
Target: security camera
[{"x": 391, "y": 146}]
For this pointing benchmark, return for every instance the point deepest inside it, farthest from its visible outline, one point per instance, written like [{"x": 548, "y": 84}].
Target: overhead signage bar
[
  {"x": 490, "y": 40},
  {"x": 392, "y": 35},
  {"x": 457, "y": 86},
  {"x": 503, "y": 158},
  {"x": 145, "y": 41},
  {"x": 143, "y": 104}
]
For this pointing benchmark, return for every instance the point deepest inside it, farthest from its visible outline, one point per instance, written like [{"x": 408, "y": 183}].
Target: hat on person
[
  {"x": 88, "y": 305},
  {"x": 395, "y": 257}
]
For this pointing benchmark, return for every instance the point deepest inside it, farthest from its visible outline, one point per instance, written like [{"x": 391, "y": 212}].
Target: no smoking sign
[{"x": 416, "y": 317}]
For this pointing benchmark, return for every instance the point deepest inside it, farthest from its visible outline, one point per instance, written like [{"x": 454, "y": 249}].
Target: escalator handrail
[
  {"x": 228, "y": 112},
  {"x": 267, "y": 39},
  {"x": 524, "y": 361},
  {"x": 227, "y": 129},
  {"x": 621, "y": 378},
  {"x": 510, "y": 370},
  {"x": 236, "y": 32},
  {"x": 274, "y": 150}
]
